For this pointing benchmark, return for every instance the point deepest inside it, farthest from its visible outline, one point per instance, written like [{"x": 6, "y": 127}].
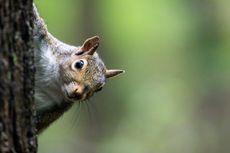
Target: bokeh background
[{"x": 175, "y": 94}]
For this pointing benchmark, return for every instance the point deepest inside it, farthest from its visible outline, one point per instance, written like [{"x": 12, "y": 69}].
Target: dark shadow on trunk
[{"x": 17, "y": 111}]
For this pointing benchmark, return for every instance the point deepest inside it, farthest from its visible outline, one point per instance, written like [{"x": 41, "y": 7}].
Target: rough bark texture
[{"x": 17, "y": 111}]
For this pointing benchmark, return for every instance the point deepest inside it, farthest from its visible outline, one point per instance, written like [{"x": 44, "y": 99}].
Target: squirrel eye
[{"x": 79, "y": 64}]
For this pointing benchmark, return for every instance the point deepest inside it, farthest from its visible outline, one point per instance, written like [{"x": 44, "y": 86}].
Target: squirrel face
[{"x": 84, "y": 73}]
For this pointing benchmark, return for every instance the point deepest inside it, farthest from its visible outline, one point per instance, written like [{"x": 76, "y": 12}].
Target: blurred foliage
[{"x": 175, "y": 95}]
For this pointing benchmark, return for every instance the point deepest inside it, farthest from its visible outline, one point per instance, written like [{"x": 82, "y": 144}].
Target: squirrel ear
[
  {"x": 113, "y": 73},
  {"x": 90, "y": 45}
]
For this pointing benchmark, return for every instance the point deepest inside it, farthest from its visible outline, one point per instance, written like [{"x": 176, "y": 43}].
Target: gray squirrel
[{"x": 65, "y": 74}]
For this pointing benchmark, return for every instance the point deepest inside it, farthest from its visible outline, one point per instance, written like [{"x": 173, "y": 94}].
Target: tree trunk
[{"x": 17, "y": 110}]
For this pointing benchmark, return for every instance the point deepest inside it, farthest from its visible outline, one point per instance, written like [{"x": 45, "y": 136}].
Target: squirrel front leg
[
  {"x": 40, "y": 29},
  {"x": 42, "y": 37}
]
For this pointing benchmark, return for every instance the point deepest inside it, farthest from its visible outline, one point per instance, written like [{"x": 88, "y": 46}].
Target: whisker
[
  {"x": 94, "y": 114},
  {"x": 77, "y": 114},
  {"x": 94, "y": 106},
  {"x": 89, "y": 111}
]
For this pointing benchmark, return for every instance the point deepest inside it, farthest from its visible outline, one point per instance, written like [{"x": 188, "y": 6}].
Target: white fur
[{"x": 47, "y": 86}]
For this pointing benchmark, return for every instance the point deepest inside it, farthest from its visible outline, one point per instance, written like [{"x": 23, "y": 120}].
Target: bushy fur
[{"x": 58, "y": 84}]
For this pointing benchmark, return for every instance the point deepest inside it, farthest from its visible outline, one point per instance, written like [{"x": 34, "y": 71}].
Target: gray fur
[{"x": 55, "y": 81}]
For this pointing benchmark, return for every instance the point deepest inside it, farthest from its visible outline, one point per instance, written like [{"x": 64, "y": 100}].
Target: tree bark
[{"x": 17, "y": 110}]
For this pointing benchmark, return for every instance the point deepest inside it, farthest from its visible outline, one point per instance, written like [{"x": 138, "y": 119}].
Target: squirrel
[{"x": 65, "y": 74}]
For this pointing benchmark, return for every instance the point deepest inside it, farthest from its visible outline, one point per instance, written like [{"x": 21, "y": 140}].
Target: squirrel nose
[
  {"x": 78, "y": 95},
  {"x": 80, "y": 91}
]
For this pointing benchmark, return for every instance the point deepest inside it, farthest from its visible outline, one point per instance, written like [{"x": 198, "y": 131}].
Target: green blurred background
[{"x": 175, "y": 94}]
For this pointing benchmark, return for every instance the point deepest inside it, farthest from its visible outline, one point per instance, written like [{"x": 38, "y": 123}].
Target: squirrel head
[{"x": 84, "y": 73}]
